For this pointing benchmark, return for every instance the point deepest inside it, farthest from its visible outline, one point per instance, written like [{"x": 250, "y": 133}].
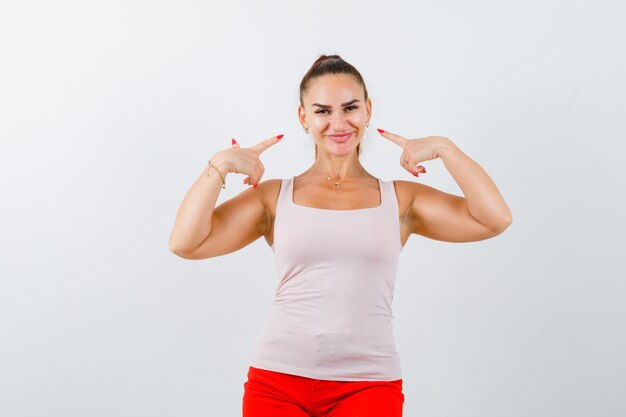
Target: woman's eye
[{"x": 349, "y": 107}]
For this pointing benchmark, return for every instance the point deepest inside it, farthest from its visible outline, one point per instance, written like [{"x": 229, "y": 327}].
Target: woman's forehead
[{"x": 334, "y": 91}]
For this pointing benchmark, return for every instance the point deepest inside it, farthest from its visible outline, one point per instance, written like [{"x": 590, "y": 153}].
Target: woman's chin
[{"x": 340, "y": 149}]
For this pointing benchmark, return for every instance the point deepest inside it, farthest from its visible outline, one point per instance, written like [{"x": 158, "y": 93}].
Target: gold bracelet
[{"x": 218, "y": 171}]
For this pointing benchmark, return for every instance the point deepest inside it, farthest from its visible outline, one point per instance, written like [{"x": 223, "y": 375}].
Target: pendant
[{"x": 336, "y": 184}]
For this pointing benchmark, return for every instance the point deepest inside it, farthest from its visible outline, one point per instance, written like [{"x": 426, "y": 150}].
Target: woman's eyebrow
[{"x": 325, "y": 106}]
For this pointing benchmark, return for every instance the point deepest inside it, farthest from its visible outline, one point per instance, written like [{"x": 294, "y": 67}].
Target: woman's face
[{"x": 335, "y": 105}]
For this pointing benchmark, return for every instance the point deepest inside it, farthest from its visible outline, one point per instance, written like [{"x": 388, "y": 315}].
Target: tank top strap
[
  {"x": 389, "y": 196},
  {"x": 282, "y": 203}
]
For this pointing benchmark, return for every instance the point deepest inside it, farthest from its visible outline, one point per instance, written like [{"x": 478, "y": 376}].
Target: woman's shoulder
[
  {"x": 268, "y": 193},
  {"x": 406, "y": 192}
]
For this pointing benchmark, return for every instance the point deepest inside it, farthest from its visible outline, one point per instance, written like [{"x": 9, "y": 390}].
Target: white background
[{"x": 110, "y": 110}]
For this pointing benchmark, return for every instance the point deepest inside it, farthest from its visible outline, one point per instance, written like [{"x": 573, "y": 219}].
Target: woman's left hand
[{"x": 417, "y": 150}]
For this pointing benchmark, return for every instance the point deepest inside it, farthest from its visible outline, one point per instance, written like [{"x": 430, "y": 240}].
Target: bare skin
[{"x": 335, "y": 104}]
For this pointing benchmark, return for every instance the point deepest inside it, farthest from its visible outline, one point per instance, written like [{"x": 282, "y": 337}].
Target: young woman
[{"x": 336, "y": 230}]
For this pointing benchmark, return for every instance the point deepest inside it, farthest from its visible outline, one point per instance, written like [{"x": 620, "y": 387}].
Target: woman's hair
[{"x": 330, "y": 64}]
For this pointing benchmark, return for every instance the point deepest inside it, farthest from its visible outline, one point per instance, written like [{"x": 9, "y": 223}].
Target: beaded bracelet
[{"x": 219, "y": 173}]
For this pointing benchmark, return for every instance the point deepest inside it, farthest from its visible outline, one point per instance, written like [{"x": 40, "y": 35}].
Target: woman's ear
[{"x": 302, "y": 116}]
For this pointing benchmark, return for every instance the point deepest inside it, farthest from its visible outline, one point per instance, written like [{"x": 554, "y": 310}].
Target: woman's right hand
[{"x": 246, "y": 160}]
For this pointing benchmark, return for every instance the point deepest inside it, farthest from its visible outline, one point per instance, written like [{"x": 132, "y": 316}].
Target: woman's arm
[
  {"x": 202, "y": 230},
  {"x": 484, "y": 201},
  {"x": 481, "y": 214},
  {"x": 193, "y": 219}
]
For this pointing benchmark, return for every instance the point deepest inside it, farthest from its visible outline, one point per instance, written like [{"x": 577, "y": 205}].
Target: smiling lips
[{"x": 341, "y": 138}]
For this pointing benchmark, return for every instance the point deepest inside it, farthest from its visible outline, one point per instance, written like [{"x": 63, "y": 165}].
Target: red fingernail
[
  {"x": 256, "y": 184},
  {"x": 232, "y": 142},
  {"x": 417, "y": 175},
  {"x": 279, "y": 137},
  {"x": 380, "y": 130}
]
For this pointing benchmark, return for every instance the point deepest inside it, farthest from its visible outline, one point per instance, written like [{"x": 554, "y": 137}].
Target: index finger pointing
[
  {"x": 264, "y": 144},
  {"x": 397, "y": 139}
]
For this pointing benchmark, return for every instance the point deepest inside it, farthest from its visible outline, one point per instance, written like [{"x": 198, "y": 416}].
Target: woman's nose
[{"x": 339, "y": 121}]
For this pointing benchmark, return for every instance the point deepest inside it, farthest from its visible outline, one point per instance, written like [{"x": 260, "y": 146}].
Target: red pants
[{"x": 276, "y": 394}]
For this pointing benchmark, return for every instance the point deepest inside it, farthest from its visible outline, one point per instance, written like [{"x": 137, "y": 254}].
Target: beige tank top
[{"x": 331, "y": 317}]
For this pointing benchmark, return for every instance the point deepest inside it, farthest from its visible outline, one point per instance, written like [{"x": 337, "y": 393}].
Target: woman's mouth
[{"x": 341, "y": 138}]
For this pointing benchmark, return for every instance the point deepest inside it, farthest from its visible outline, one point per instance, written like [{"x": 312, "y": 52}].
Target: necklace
[{"x": 335, "y": 183}]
